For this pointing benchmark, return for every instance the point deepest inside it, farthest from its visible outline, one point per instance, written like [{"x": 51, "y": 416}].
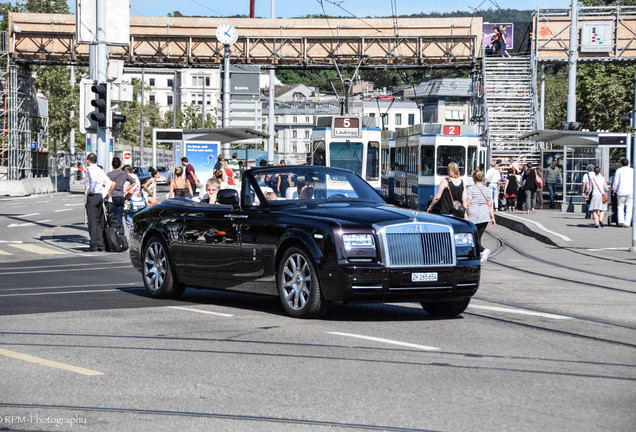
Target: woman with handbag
[
  {"x": 452, "y": 194},
  {"x": 480, "y": 209},
  {"x": 135, "y": 202},
  {"x": 530, "y": 188},
  {"x": 179, "y": 186},
  {"x": 598, "y": 203}
]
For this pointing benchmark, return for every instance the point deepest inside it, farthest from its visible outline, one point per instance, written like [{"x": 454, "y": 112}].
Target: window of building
[
  {"x": 371, "y": 114},
  {"x": 295, "y": 119},
  {"x": 170, "y": 82},
  {"x": 151, "y": 82},
  {"x": 385, "y": 119},
  {"x": 398, "y": 119},
  {"x": 307, "y": 120},
  {"x": 307, "y": 134},
  {"x": 169, "y": 100},
  {"x": 151, "y": 98},
  {"x": 295, "y": 134},
  {"x": 197, "y": 80},
  {"x": 411, "y": 119}
]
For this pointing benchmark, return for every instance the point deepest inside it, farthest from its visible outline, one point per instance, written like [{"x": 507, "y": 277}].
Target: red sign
[
  {"x": 451, "y": 130},
  {"x": 127, "y": 157}
]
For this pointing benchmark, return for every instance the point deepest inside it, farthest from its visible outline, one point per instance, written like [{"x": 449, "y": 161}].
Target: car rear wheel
[
  {"x": 447, "y": 308},
  {"x": 158, "y": 277},
  {"x": 298, "y": 285}
]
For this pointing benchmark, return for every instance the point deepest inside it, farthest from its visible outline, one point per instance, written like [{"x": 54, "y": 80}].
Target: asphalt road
[{"x": 548, "y": 343}]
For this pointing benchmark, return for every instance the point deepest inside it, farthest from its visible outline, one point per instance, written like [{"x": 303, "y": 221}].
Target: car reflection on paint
[{"x": 328, "y": 237}]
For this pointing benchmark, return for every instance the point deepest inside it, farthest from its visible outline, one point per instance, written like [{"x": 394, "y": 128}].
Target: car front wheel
[
  {"x": 157, "y": 271},
  {"x": 447, "y": 308},
  {"x": 298, "y": 285}
]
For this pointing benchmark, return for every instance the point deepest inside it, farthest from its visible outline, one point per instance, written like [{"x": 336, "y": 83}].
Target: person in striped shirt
[{"x": 479, "y": 209}]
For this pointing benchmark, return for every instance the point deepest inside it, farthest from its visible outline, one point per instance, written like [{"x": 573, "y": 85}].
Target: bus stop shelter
[{"x": 578, "y": 149}]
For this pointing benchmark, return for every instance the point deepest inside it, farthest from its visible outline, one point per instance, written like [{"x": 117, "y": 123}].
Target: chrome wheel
[
  {"x": 296, "y": 281},
  {"x": 155, "y": 266}
]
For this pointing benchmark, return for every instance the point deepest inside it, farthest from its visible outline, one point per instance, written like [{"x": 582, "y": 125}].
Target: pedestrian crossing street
[{"x": 13, "y": 248}]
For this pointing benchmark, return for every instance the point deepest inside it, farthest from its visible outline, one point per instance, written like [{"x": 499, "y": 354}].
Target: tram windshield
[
  {"x": 448, "y": 154},
  {"x": 373, "y": 153},
  {"x": 347, "y": 155}
]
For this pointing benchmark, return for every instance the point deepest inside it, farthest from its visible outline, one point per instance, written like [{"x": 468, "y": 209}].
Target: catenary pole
[
  {"x": 270, "y": 114},
  {"x": 572, "y": 63}
]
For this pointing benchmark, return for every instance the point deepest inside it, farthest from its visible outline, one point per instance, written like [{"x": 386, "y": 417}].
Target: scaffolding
[{"x": 18, "y": 108}]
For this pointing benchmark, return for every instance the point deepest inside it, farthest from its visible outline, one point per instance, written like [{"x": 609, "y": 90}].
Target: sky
[{"x": 297, "y": 8}]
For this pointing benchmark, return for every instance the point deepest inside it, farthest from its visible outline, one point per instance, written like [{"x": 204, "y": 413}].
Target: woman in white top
[
  {"x": 150, "y": 188},
  {"x": 479, "y": 209},
  {"x": 598, "y": 187}
]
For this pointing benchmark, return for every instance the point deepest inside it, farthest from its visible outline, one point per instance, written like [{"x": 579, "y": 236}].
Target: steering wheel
[{"x": 337, "y": 196}]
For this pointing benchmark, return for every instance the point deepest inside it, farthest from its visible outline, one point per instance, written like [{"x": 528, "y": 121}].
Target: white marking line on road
[
  {"x": 622, "y": 249},
  {"x": 542, "y": 228},
  {"x": 76, "y": 204},
  {"x": 5, "y": 253},
  {"x": 11, "y": 241},
  {"x": 123, "y": 284},
  {"x": 200, "y": 311},
  {"x": 15, "y": 225},
  {"x": 27, "y": 215},
  {"x": 520, "y": 312},
  {"x": 49, "y": 363},
  {"x": 37, "y": 249},
  {"x": 387, "y": 341},
  {"x": 70, "y": 292},
  {"x": 62, "y": 210},
  {"x": 61, "y": 270}
]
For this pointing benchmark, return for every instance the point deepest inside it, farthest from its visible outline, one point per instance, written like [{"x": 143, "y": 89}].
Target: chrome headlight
[
  {"x": 358, "y": 241},
  {"x": 464, "y": 239}
]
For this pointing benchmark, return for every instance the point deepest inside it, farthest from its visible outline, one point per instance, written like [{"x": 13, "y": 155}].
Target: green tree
[
  {"x": 189, "y": 117},
  {"x": 131, "y": 129}
]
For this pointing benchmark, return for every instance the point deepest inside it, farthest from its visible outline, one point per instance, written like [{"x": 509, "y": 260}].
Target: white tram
[
  {"x": 348, "y": 141},
  {"x": 422, "y": 155}
]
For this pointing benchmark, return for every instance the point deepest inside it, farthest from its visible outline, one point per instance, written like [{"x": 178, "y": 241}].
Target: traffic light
[
  {"x": 629, "y": 118},
  {"x": 118, "y": 120},
  {"x": 102, "y": 104}
]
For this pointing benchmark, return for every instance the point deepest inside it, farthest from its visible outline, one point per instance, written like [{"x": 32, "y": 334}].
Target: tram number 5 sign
[
  {"x": 451, "y": 130},
  {"x": 346, "y": 126}
]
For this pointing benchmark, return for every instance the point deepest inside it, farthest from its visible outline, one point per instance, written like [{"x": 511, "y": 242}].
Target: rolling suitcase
[{"x": 113, "y": 241}]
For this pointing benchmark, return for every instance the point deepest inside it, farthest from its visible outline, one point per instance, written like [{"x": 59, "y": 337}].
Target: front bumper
[{"x": 374, "y": 282}]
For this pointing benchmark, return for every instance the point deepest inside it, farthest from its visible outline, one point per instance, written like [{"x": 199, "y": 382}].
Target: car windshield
[
  {"x": 282, "y": 183},
  {"x": 162, "y": 169}
]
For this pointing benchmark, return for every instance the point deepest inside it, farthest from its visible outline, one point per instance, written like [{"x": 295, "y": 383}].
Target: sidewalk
[{"x": 571, "y": 230}]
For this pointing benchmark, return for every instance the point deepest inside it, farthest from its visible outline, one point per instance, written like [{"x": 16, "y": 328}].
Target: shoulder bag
[
  {"x": 538, "y": 180},
  {"x": 457, "y": 208},
  {"x": 604, "y": 194}
]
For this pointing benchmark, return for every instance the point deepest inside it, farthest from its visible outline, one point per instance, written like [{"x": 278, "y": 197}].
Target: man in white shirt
[
  {"x": 98, "y": 188},
  {"x": 624, "y": 187},
  {"x": 586, "y": 187},
  {"x": 492, "y": 181}
]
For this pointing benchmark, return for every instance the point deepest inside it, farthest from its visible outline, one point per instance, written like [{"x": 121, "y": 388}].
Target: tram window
[
  {"x": 482, "y": 159},
  {"x": 319, "y": 153},
  {"x": 472, "y": 160},
  {"x": 448, "y": 154},
  {"x": 347, "y": 155},
  {"x": 372, "y": 161},
  {"x": 392, "y": 157},
  {"x": 428, "y": 160}
]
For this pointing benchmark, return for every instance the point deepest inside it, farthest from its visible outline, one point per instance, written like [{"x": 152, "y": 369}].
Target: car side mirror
[{"x": 228, "y": 197}]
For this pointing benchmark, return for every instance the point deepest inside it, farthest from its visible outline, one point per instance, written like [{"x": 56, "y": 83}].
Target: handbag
[
  {"x": 604, "y": 194},
  {"x": 457, "y": 207}
]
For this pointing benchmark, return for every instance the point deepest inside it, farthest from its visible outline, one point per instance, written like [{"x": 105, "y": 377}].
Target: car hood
[{"x": 376, "y": 214}]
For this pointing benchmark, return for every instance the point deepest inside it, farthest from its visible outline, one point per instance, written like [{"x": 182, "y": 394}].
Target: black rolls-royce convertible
[{"x": 310, "y": 235}]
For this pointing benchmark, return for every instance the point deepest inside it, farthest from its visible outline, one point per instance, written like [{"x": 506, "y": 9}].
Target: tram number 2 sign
[
  {"x": 451, "y": 130},
  {"x": 346, "y": 127}
]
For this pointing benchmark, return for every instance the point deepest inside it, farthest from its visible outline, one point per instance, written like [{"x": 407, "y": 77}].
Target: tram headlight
[{"x": 464, "y": 239}]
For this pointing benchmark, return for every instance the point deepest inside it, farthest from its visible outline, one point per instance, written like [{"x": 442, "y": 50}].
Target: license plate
[{"x": 424, "y": 277}]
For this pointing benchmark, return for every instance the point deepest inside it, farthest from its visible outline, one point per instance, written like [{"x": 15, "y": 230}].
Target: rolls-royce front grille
[{"x": 419, "y": 249}]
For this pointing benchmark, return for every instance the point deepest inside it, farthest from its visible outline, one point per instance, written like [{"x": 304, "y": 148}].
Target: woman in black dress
[{"x": 450, "y": 189}]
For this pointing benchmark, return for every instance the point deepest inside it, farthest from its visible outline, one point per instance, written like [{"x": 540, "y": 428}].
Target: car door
[{"x": 211, "y": 247}]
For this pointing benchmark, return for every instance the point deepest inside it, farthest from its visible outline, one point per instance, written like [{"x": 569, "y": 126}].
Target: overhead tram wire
[
  {"x": 207, "y": 7},
  {"x": 338, "y": 5},
  {"x": 324, "y": 13}
]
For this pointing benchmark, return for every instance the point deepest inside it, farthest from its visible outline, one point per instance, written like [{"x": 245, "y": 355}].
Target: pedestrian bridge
[{"x": 304, "y": 42}]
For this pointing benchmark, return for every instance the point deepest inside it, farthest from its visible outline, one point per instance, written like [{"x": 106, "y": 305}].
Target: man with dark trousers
[{"x": 98, "y": 188}]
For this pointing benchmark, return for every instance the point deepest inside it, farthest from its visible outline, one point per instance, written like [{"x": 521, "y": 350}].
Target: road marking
[
  {"x": 49, "y": 363},
  {"x": 71, "y": 292},
  {"x": 37, "y": 249},
  {"x": 388, "y": 341},
  {"x": 14, "y": 225},
  {"x": 60, "y": 270},
  {"x": 76, "y": 204},
  {"x": 5, "y": 253},
  {"x": 27, "y": 215},
  {"x": 542, "y": 228},
  {"x": 70, "y": 286},
  {"x": 201, "y": 311},
  {"x": 520, "y": 312},
  {"x": 10, "y": 241},
  {"x": 62, "y": 210}
]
